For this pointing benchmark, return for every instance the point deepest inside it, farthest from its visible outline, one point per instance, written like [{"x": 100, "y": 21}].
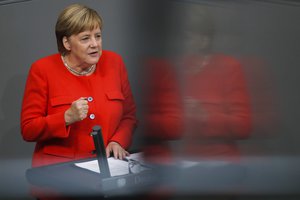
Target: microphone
[{"x": 100, "y": 152}]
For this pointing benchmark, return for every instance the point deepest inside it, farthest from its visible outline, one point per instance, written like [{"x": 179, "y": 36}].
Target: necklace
[{"x": 83, "y": 73}]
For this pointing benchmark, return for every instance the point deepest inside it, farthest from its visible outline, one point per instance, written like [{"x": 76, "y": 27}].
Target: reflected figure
[
  {"x": 216, "y": 104},
  {"x": 216, "y": 100},
  {"x": 199, "y": 99},
  {"x": 193, "y": 94}
]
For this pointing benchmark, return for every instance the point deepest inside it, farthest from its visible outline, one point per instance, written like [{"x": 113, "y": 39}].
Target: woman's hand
[
  {"x": 193, "y": 109},
  {"x": 78, "y": 111},
  {"x": 118, "y": 151}
]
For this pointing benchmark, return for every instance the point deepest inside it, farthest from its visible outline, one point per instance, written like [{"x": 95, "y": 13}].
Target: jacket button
[
  {"x": 92, "y": 116},
  {"x": 90, "y": 99}
]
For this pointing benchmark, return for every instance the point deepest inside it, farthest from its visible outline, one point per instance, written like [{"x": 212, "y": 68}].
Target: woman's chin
[{"x": 93, "y": 61}]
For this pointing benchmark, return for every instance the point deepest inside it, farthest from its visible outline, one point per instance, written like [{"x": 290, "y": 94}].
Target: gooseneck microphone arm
[{"x": 100, "y": 152}]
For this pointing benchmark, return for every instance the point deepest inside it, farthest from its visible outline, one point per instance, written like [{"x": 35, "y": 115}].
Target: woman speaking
[{"x": 69, "y": 92}]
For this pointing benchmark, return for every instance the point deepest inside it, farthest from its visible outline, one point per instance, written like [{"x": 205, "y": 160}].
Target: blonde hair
[{"x": 75, "y": 19}]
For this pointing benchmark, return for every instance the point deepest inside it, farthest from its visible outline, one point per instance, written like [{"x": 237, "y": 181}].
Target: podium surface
[
  {"x": 68, "y": 179},
  {"x": 252, "y": 176}
]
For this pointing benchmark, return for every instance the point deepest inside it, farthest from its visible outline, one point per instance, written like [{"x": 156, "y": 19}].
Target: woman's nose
[{"x": 93, "y": 42}]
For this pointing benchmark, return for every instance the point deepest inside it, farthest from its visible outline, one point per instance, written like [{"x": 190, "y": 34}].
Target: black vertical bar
[{"x": 100, "y": 151}]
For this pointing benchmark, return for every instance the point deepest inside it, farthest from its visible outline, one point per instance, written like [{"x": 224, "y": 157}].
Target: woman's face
[{"x": 84, "y": 48}]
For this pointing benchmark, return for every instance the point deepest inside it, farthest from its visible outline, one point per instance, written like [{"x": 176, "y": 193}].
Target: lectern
[{"x": 69, "y": 180}]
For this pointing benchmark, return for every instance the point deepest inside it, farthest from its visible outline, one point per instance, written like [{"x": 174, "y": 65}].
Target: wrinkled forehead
[{"x": 96, "y": 30}]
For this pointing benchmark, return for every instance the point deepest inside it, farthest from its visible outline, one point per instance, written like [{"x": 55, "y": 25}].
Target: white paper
[{"x": 117, "y": 167}]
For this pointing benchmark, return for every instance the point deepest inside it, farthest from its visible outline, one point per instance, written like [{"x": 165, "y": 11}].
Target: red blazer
[{"x": 49, "y": 92}]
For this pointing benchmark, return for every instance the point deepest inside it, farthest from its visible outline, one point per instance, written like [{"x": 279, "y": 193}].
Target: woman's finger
[{"x": 108, "y": 150}]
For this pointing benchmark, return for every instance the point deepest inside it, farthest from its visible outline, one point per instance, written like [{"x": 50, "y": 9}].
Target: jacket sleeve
[
  {"x": 162, "y": 103},
  {"x": 36, "y": 124},
  {"x": 128, "y": 122}
]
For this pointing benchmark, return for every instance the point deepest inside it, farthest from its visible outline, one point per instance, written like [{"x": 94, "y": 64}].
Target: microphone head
[{"x": 96, "y": 128}]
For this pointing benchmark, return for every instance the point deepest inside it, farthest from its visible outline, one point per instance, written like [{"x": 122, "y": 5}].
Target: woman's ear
[{"x": 66, "y": 43}]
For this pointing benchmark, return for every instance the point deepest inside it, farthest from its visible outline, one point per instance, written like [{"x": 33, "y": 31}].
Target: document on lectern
[{"x": 117, "y": 167}]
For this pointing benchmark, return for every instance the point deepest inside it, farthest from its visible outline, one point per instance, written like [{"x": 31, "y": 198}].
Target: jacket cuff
[{"x": 57, "y": 126}]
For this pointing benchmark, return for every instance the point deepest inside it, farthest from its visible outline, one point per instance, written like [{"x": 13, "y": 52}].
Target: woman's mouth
[{"x": 94, "y": 54}]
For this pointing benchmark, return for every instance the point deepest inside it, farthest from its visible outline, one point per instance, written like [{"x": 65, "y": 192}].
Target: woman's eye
[{"x": 84, "y": 39}]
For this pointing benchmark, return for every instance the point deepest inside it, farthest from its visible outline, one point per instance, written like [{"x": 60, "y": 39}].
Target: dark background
[{"x": 263, "y": 35}]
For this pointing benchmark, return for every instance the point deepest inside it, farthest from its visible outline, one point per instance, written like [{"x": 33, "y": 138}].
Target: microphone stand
[{"x": 100, "y": 152}]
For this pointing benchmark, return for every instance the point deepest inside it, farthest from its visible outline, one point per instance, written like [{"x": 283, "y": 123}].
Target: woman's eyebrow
[{"x": 84, "y": 35}]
